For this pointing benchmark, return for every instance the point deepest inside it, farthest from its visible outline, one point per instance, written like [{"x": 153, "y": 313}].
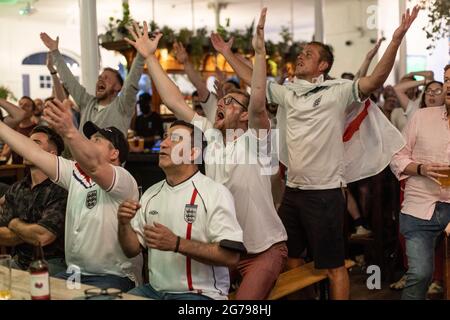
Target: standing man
[
  {"x": 106, "y": 108},
  {"x": 97, "y": 184},
  {"x": 187, "y": 222},
  {"x": 242, "y": 123},
  {"x": 33, "y": 210},
  {"x": 426, "y": 205},
  {"x": 312, "y": 111}
]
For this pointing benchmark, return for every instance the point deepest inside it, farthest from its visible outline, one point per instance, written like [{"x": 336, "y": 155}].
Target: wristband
[
  {"x": 54, "y": 72},
  {"x": 419, "y": 169},
  {"x": 177, "y": 246}
]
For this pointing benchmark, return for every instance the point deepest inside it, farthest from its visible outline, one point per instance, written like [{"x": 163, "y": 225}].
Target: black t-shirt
[{"x": 149, "y": 126}]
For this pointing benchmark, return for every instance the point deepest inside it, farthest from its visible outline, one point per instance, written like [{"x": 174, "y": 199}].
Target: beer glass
[
  {"x": 445, "y": 182},
  {"x": 5, "y": 277}
]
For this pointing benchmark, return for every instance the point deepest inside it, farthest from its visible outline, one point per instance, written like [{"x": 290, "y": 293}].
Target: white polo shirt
[
  {"x": 248, "y": 182},
  {"x": 91, "y": 232},
  {"x": 314, "y": 125},
  {"x": 198, "y": 209}
]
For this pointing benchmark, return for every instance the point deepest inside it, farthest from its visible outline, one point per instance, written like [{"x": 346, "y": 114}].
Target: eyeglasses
[
  {"x": 435, "y": 92},
  {"x": 174, "y": 137},
  {"x": 110, "y": 293},
  {"x": 229, "y": 99}
]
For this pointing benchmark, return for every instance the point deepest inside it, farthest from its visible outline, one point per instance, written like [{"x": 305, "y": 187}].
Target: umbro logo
[{"x": 317, "y": 102}]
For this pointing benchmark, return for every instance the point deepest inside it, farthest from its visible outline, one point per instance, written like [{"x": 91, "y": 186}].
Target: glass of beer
[
  {"x": 445, "y": 182},
  {"x": 5, "y": 277}
]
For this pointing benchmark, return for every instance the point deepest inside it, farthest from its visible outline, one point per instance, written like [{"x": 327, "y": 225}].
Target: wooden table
[
  {"x": 13, "y": 170},
  {"x": 58, "y": 288}
]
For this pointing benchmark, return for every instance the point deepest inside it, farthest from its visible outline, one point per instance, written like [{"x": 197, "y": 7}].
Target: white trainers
[{"x": 361, "y": 232}]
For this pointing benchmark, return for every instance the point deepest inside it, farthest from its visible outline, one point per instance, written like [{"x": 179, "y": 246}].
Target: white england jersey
[
  {"x": 91, "y": 232},
  {"x": 198, "y": 209}
]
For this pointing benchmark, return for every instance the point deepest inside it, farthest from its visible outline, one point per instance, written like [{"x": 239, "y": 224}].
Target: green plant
[
  {"x": 438, "y": 26},
  {"x": 5, "y": 93}
]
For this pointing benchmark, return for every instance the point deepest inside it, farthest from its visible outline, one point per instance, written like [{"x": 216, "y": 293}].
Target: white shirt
[
  {"x": 237, "y": 166},
  {"x": 213, "y": 219},
  {"x": 91, "y": 239},
  {"x": 314, "y": 125}
]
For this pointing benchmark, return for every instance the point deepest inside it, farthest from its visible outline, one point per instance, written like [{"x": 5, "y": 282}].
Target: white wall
[{"x": 347, "y": 20}]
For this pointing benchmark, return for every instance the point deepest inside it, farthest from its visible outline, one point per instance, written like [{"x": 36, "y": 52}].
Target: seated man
[
  {"x": 149, "y": 124},
  {"x": 97, "y": 184},
  {"x": 33, "y": 210},
  {"x": 187, "y": 222}
]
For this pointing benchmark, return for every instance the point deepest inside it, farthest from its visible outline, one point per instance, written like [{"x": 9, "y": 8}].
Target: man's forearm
[
  {"x": 242, "y": 70},
  {"x": 379, "y": 75},
  {"x": 170, "y": 94},
  {"x": 83, "y": 151},
  {"x": 16, "y": 114},
  {"x": 131, "y": 84},
  {"x": 9, "y": 238},
  {"x": 211, "y": 254},
  {"x": 129, "y": 241},
  {"x": 258, "y": 118},
  {"x": 31, "y": 233},
  {"x": 197, "y": 80},
  {"x": 58, "y": 90}
]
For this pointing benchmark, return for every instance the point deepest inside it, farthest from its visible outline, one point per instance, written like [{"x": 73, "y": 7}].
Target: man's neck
[
  {"x": 447, "y": 106},
  {"x": 237, "y": 132},
  {"x": 309, "y": 78},
  {"x": 106, "y": 101},
  {"x": 37, "y": 176},
  {"x": 179, "y": 174}
]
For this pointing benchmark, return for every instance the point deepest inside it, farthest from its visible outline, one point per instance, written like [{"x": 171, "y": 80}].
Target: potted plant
[{"x": 5, "y": 93}]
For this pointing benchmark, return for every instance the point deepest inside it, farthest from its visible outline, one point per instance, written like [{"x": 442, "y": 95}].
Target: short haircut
[
  {"x": 197, "y": 139},
  {"x": 33, "y": 104},
  {"x": 52, "y": 136},
  {"x": 446, "y": 67},
  {"x": 195, "y": 93},
  {"x": 234, "y": 82},
  {"x": 326, "y": 54},
  {"x": 118, "y": 76},
  {"x": 348, "y": 75}
]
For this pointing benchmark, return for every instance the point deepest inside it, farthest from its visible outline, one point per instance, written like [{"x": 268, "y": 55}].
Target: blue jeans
[
  {"x": 420, "y": 236},
  {"x": 147, "y": 291},
  {"x": 102, "y": 281}
]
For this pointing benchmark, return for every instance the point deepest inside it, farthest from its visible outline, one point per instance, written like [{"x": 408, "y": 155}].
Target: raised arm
[
  {"x": 379, "y": 75},
  {"x": 28, "y": 149},
  {"x": 169, "y": 92},
  {"x": 193, "y": 75},
  {"x": 127, "y": 99},
  {"x": 59, "y": 116},
  {"x": 401, "y": 88},
  {"x": 76, "y": 90},
  {"x": 58, "y": 89},
  {"x": 258, "y": 118},
  {"x": 15, "y": 114},
  {"x": 362, "y": 72},
  {"x": 427, "y": 74},
  {"x": 242, "y": 69}
]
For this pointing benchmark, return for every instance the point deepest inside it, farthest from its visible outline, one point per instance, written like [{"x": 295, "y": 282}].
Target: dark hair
[
  {"x": 118, "y": 76},
  {"x": 52, "y": 136},
  {"x": 422, "y": 100},
  {"x": 195, "y": 93},
  {"x": 348, "y": 75},
  {"x": 197, "y": 139},
  {"x": 326, "y": 54},
  {"x": 446, "y": 67},
  {"x": 33, "y": 105},
  {"x": 234, "y": 82}
]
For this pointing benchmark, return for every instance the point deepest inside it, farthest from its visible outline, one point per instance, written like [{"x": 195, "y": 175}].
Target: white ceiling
[{"x": 176, "y": 13}]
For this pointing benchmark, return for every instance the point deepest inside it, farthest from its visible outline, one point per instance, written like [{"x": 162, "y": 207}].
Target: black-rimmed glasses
[
  {"x": 108, "y": 293},
  {"x": 229, "y": 99}
]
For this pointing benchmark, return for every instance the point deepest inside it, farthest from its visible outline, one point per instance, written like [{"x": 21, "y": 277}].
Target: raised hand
[
  {"x": 144, "y": 45},
  {"x": 59, "y": 116},
  {"x": 180, "y": 52},
  {"x": 49, "y": 42},
  {"x": 220, "y": 45},
  {"x": 258, "y": 38},
  {"x": 407, "y": 19},
  {"x": 158, "y": 236},
  {"x": 127, "y": 210}
]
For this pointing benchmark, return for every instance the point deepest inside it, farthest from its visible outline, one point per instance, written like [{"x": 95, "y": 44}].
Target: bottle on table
[{"x": 39, "y": 277}]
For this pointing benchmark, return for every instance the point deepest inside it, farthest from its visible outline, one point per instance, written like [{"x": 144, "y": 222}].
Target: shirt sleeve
[
  {"x": 210, "y": 107},
  {"x": 76, "y": 90},
  {"x": 349, "y": 95},
  {"x": 411, "y": 108},
  {"x": 275, "y": 93},
  {"x": 53, "y": 216},
  {"x": 201, "y": 122},
  {"x": 404, "y": 157},
  {"x": 222, "y": 223},
  {"x": 64, "y": 172},
  {"x": 127, "y": 98},
  {"x": 124, "y": 186}
]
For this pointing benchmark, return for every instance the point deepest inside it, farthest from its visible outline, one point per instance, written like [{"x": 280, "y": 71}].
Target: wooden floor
[{"x": 359, "y": 291}]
